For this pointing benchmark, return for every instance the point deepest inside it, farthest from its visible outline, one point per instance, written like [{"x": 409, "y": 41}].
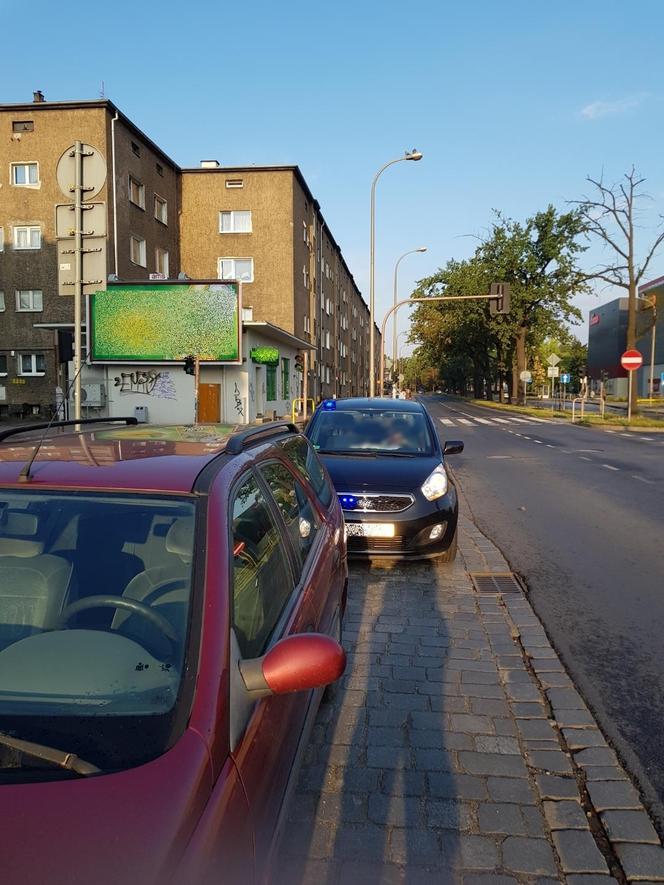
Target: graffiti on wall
[
  {"x": 239, "y": 408},
  {"x": 157, "y": 384}
]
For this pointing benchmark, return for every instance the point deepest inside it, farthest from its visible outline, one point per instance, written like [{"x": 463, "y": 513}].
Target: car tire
[
  {"x": 332, "y": 690},
  {"x": 450, "y": 554}
]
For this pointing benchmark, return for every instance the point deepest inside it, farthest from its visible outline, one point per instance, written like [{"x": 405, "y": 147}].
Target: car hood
[
  {"x": 115, "y": 829},
  {"x": 379, "y": 474}
]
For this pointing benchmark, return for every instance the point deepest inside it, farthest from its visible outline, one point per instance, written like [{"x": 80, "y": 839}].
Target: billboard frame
[{"x": 123, "y": 284}]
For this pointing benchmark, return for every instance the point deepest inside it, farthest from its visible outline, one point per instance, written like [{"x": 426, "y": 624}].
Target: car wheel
[{"x": 450, "y": 554}]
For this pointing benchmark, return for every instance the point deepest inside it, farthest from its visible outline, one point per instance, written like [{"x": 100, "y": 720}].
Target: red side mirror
[{"x": 297, "y": 663}]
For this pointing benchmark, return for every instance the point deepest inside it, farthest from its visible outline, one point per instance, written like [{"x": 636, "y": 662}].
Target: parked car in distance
[
  {"x": 170, "y": 610},
  {"x": 388, "y": 468}
]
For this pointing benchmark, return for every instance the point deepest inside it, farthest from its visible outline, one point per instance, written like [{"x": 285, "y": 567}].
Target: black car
[{"x": 387, "y": 466}]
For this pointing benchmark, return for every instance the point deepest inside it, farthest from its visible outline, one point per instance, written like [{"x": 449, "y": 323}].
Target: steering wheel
[{"x": 131, "y": 605}]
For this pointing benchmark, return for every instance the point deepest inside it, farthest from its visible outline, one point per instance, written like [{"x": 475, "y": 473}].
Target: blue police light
[
  {"x": 329, "y": 405},
  {"x": 348, "y": 502}
]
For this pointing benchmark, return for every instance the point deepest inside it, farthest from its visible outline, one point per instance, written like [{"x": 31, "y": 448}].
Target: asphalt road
[{"x": 579, "y": 514}]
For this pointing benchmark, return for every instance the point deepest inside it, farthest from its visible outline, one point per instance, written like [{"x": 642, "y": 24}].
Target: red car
[{"x": 170, "y": 608}]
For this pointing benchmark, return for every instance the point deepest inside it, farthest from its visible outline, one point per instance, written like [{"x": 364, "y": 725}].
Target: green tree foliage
[{"x": 474, "y": 350}]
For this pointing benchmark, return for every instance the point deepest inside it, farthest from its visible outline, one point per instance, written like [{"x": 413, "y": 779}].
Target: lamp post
[
  {"x": 409, "y": 155},
  {"x": 394, "y": 319}
]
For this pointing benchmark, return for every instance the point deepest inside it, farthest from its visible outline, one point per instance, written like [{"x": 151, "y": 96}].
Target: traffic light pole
[{"x": 395, "y": 307}]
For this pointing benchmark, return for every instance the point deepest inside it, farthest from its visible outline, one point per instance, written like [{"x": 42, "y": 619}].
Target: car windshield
[
  {"x": 95, "y": 600},
  {"x": 384, "y": 431}
]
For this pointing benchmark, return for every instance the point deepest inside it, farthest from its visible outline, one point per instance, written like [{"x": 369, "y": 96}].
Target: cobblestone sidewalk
[{"x": 457, "y": 748}]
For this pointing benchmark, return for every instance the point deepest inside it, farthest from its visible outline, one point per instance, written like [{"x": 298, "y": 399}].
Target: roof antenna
[
  {"x": 25, "y": 475},
  {"x": 101, "y": 90}
]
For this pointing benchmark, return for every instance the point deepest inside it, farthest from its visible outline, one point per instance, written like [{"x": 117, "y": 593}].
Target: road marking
[
  {"x": 501, "y": 420},
  {"x": 541, "y": 420},
  {"x": 464, "y": 421},
  {"x": 526, "y": 437},
  {"x": 609, "y": 467},
  {"x": 583, "y": 458},
  {"x": 498, "y": 457},
  {"x": 643, "y": 479},
  {"x": 520, "y": 420},
  {"x": 483, "y": 421},
  {"x": 539, "y": 442},
  {"x": 549, "y": 446},
  {"x": 447, "y": 421},
  {"x": 647, "y": 438}
]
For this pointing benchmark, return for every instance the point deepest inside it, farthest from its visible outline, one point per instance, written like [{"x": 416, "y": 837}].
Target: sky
[{"x": 512, "y": 102}]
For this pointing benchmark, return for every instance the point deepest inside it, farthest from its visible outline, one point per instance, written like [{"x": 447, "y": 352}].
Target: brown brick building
[{"x": 260, "y": 225}]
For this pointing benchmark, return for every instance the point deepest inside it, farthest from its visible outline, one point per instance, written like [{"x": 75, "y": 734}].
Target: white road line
[
  {"x": 526, "y": 437},
  {"x": 539, "y": 442},
  {"x": 549, "y": 446},
  {"x": 483, "y": 421},
  {"x": 643, "y": 479},
  {"x": 447, "y": 421},
  {"x": 501, "y": 420},
  {"x": 610, "y": 467},
  {"x": 499, "y": 457},
  {"x": 464, "y": 421},
  {"x": 541, "y": 420},
  {"x": 583, "y": 458},
  {"x": 520, "y": 420},
  {"x": 647, "y": 438}
]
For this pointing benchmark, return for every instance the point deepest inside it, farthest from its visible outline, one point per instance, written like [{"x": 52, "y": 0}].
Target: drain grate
[{"x": 491, "y": 583}]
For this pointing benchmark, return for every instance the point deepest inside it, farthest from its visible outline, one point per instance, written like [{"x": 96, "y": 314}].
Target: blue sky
[{"x": 512, "y": 102}]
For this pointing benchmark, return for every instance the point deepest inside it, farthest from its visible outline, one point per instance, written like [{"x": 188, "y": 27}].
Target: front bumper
[{"x": 412, "y": 528}]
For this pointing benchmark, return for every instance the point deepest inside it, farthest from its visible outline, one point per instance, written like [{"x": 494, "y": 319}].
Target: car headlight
[{"x": 435, "y": 484}]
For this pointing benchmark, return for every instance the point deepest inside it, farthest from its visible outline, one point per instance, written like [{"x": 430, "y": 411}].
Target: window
[
  {"x": 160, "y": 209},
  {"x": 285, "y": 378},
  {"x": 262, "y": 582},
  {"x": 295, "y": 508},
  {"x": 23, "y": 126},
  {"x": 137, "y": 251},
  {"x": 234, "y": 182},
  {"x": 25, "y": 174},
  {"x": 31, "y": 364},
  {"x": 270, "y": 383},
  {"x": 307, "y": 324},
  {"x": 29, "y": 300},
  {"x": 161, "y": 260},
  {"x": 135, "y": 149},
  {"x": 160, "y": 169},
  {"x": 301, "y": 456},
  {"x": 28, "y": 237},
  {"x": 305, "y": 276},
  {"x": 2, "y": 301},
  {"x": 235, "y": 222},
  {"x": 3, "y": 363},
  {"x": 136, "y": 192},
  {"x": 327, "y": 340},
  {"x": 241, "y": 269}
]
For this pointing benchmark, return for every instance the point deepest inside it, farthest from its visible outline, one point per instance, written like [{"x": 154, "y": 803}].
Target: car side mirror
[
  {"x": 296, "y": 663},
  {"x": 453, "y": 447}
]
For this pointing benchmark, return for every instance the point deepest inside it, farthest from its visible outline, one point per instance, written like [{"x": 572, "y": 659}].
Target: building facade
[{"x": 154, "y": 219}]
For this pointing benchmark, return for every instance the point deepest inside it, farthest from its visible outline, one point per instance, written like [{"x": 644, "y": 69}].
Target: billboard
[{"x": 164, "y": 322}]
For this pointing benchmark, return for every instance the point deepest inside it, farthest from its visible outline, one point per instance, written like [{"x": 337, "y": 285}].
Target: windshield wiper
[
  {"x": 70, "y": 761},
  {"x": 389, "y": 454},
  {"x": 361, "y": 453}
]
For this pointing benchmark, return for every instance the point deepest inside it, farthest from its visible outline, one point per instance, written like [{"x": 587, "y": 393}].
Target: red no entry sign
[{"x": 631, "y": 360}]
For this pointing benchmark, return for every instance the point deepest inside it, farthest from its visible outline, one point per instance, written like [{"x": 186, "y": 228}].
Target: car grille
[
  {"x": 376, "y": 503},
  {"x": 376, "y": 545}
]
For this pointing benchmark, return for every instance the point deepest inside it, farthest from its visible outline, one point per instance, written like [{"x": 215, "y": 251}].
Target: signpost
[
  {"x": 564, "y": 380},
  {"x": 526, "y": 377},
  {"x": 631, "y": 360}
]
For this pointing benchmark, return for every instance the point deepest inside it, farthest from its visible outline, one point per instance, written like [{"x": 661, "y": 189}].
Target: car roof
[
  {"x": 378, "y": 403},
  {"x": 141, "y": 457}
]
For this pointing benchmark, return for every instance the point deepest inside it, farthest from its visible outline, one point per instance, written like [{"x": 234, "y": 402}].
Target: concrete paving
[{"x": 456, "y": 748}]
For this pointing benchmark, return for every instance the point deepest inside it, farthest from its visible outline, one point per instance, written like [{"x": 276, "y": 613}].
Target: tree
[{"x": 610, "y": 217}]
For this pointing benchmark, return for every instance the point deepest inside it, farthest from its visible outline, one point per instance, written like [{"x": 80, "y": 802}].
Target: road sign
[
  {"x": 553, "y": 372},
  {"x": 631, "y": 360},
  {"x": 526, "y": 376},
  {"x": 94, "y": 220},
  {"x": 553, "y": 360},
  {"x": 94, "y": 174},
  {"x": 564, "y": 378}
]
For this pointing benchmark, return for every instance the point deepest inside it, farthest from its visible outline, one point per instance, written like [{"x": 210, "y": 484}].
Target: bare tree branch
[{"x": 644, "y": 266}]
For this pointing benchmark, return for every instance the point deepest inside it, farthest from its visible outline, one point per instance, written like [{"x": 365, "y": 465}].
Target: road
[{"x": 579, "y": 514}]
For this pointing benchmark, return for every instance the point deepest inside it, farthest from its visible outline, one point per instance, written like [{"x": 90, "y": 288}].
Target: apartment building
[
  {"x": 259, "y": 225},
  {"x": 262, "y": 225}
]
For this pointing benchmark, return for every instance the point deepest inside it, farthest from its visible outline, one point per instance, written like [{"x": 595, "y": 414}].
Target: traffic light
[
  {"x": 299, "y": 362},
  {"x": 190, "y": 365},
  {"x": 499, "y": 298}
]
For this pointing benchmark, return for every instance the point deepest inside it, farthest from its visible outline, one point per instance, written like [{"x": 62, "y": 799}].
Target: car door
[{"x": 267, "y": 605}]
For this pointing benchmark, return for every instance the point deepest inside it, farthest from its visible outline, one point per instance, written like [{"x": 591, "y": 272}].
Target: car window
[
  {"x": 376, "y": 430},
  {"x": 295, "y": 508},
  {"x": 306, "y": 462},
  {"x": 262, "y": 580}
]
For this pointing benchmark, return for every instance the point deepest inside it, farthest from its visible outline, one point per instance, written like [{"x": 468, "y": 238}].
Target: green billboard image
[{"x": 164, "y": 322}]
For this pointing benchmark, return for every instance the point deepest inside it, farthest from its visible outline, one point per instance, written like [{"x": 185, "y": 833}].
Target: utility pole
[{"x": 197, "y": 375}]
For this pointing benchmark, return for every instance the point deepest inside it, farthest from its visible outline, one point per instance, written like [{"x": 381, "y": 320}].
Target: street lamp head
[
  {"x": 421, "y": 249},
  {"x": 413, "y": 155}
]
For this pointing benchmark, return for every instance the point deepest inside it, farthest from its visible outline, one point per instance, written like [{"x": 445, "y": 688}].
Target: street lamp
[
  {"x": 409, "y": 155},
  {"x": 394, "y": 318}
]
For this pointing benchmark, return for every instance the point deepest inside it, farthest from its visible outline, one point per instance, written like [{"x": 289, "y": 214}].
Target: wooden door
[{"x": 209, "y": 403}]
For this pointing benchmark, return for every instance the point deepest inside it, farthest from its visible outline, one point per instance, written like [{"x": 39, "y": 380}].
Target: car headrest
[
  {"x": 19, "y": 522},
  {"x": 20, "y": 547},
  {"x": 180, "y": 539}
]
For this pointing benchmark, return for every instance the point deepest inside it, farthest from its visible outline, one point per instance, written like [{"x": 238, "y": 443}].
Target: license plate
[{"x": 370, "y": 529}]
